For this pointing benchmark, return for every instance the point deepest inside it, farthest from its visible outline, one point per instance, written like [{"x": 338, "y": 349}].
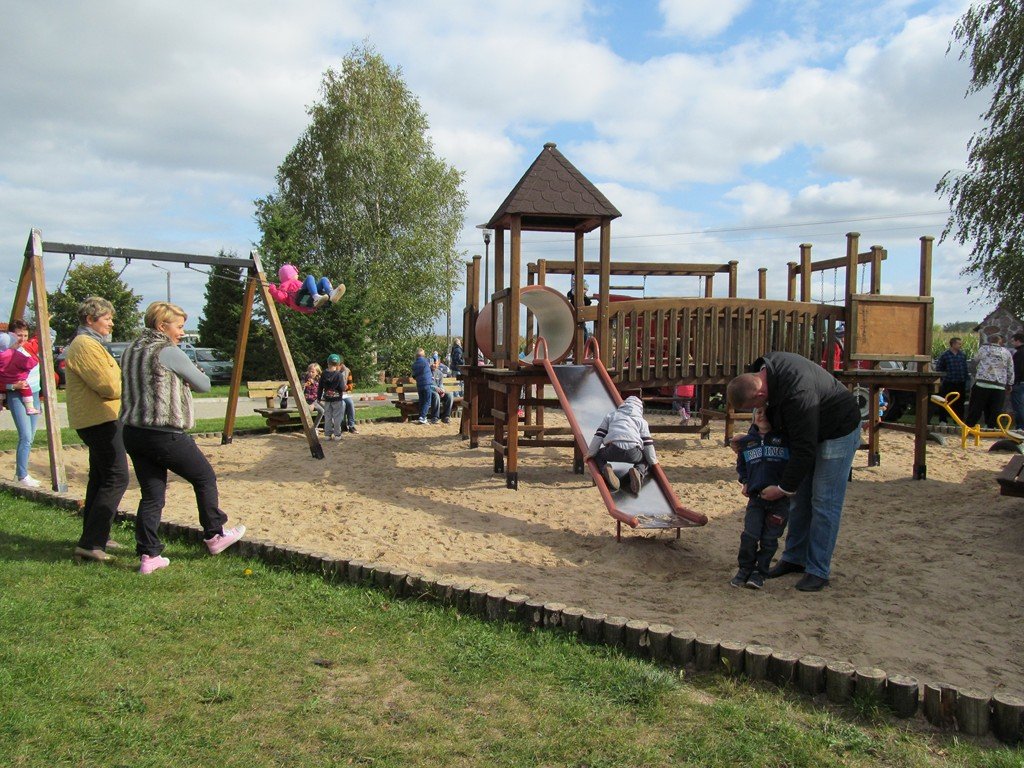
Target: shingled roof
[{"x": 553, "y": 196}]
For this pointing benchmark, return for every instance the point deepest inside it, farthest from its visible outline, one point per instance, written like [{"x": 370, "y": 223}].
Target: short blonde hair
[
  {"x": 163, "y": 312},
  {"x": 94, "y": 307}
]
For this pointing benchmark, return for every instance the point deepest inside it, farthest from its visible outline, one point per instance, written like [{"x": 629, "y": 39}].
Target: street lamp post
[
  {"x": 487, "y": 265},
  {"x": 168, "y": 281}
]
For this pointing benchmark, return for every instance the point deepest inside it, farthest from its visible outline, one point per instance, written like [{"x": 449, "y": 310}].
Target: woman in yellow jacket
[{"x": 94, "y": 403}]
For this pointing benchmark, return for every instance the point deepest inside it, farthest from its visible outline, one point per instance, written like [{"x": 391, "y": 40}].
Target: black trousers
[
  {"x": 958, "y": 407},
  {"x": 763, "y": 523},
  {"x": 154, "y": 453},
  {"x": 985, "y": 401},
  {"x": 108, "y": 479}
]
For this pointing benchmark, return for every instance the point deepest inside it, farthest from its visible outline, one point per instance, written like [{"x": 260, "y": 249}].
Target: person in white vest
[{"x": 156, "y": 410}]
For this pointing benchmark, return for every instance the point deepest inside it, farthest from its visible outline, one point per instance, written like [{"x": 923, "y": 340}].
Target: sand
[{"x": 926, "y": 577}]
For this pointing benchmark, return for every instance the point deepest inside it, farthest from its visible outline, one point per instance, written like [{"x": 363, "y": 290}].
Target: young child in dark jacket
[{"x": 761, "y": 459}]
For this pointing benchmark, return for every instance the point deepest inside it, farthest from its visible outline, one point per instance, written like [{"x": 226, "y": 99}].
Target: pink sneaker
[
  {"x": 33, "y": 411},
  {"x": 150, "y": 564},
  {"x": 222, "y": 541}
]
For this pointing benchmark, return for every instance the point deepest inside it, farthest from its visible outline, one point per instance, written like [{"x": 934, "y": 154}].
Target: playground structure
[
  {"x": 650, "y": 343},
  {"x": 33, "y": 278}
]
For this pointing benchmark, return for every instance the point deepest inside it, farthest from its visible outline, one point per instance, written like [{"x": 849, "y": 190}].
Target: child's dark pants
[
  {"x": 763, "y": 524},
  {"x": 633, "y": 455}
]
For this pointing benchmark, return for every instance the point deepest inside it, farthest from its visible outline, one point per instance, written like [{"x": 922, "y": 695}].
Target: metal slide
[{"x": 587, "y": 394}]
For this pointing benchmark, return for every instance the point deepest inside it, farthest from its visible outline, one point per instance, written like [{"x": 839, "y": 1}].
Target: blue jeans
[
  {"x": 817, "y": 507},
  {"x": 1017, "y": 405},
  {"x": 311, "y": 288},
  {"x": 763, "y": 523},
  {"x": 26, "y": 426},
  {"x": 426, "y": 396}
]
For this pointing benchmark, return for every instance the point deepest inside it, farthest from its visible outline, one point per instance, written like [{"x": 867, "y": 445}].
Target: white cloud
[
  {"x": 156, "y": 127},
  {"x": 700, "y": 18}
]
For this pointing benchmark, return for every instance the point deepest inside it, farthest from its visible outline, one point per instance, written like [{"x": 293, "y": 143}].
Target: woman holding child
[{"x": 20, "y": 377}]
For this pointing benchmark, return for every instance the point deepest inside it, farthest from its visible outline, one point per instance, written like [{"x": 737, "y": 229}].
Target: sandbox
[{"x": 926, "y": 577}]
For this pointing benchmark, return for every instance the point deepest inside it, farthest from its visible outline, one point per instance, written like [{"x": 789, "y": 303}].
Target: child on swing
[{"x": 304, "y": 296}]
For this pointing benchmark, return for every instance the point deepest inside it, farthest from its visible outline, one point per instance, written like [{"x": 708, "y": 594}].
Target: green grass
[
  {"x": 9, "y": 437},
  {"x": 224, "y": 661}
]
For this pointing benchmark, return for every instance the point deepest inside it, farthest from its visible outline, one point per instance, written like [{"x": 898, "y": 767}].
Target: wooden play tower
[{"x": 650, "y": 343}]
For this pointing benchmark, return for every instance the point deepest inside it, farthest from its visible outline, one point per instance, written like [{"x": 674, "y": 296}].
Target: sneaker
[
  {"x": 611, "y": 478},
  {"x": 222, "y": 541},
  {"x": 150, "y": 564},
  {"x": 352, "y": 430},
  {"x": 320, "y": 300},
  {"x": 337, "y": 293},
  {"x": 421, "y": 421},
  {"x": 433, "y": 421},
  {"x": 740, "y": 579},
  {"x": 755, "y": 580},
  {"x": 32, "y": 411},
  {"x": 29, "y": 482},
  {"x": 635, "y": 479},
  {"x": 446, "y": 421}
]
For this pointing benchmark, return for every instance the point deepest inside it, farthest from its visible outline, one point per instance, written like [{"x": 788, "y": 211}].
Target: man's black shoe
[
  {"x": 783, "y": 567},
  {"x": 811, "y": 583}
]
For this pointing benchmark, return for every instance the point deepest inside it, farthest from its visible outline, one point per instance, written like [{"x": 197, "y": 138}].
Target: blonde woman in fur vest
[{"x": 156, "y": 410}]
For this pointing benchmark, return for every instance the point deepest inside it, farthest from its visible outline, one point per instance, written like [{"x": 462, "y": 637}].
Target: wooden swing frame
[{"x": 32, "y": 278}]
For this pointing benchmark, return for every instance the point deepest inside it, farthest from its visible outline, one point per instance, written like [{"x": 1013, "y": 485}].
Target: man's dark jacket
[{"x": 809, "y": 405}]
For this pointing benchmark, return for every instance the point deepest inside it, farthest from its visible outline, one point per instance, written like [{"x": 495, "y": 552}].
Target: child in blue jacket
[{"x": 761, "y": 460}]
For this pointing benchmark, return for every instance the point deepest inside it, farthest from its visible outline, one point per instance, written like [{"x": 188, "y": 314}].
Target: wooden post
[
  {"x": 285, "y": 354},
  {"x": 810, "y": 674},
  {"x": 926, "y": 265},
  {"x": 972, "y": 711},
  {"x": 602, "y": 330},
  {"x": 869, "y": 683},
  {"x": 791, "y": 270},
  {"x": 681, "y": 644},
  {"x": 782, "y": 667},
  {"x": 877, "y": 255},
  {"x": 939, "y": 704},
  {"x": 755, "y": 661},
  {"x": 515, "y": 286},
  {"x": 852, "y": 259},
  {"x": 731, "y": 657},
  {"x": 732, "y": 278},
  {"x": 239, "y": 359},
  {"x": 1008, "y": 717},
  {"x": 903, "y": 694},
  {"x": 839, "y": 681},
  {"x": 705, "y": 653},
  {"x": 577, "y": 295},
  {"x": 805, "y": 272},
  {"x": 32, "y": 275},
  {"x": 762, "y": 282}
]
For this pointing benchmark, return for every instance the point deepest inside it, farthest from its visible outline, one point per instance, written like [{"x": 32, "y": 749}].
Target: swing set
[{"x": 32, "y": 278}]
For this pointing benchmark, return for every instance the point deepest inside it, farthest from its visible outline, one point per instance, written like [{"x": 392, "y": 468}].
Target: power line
[{"x": 760, "y": 227}]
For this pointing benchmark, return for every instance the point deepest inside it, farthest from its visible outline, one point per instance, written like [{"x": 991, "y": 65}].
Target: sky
[{"x": 721, "y": 129}]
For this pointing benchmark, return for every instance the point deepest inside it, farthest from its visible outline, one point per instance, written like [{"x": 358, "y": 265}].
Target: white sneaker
[
  {"x": 320, "y": 300},
  {"x": 337, "y": 293},
  {"x": 29, "y": 482}
]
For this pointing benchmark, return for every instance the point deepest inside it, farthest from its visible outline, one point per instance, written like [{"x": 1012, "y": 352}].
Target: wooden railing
[{"x": 660, "y": 342}]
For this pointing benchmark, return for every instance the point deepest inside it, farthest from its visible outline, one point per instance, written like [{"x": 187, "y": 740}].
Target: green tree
[
  {"x": 987, "y": 201},
  {"x": 86, "y": 280},
  {"x": 222, "y": 310},
  {"x": 363, "y": 199}
]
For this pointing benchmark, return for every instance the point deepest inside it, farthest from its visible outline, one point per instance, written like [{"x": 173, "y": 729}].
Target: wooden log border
[{"x": 967, "y": 710}]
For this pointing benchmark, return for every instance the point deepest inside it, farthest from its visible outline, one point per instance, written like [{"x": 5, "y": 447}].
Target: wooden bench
[
  {"x": 407, "y": 399},
  {"x": 1010, "y": 482},
  {"x": 730, "y": 417},
  {"x": 276, "y": 416}
]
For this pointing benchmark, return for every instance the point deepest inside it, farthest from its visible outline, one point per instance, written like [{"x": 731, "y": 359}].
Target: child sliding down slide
[{"x": 304, "y": 296}]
